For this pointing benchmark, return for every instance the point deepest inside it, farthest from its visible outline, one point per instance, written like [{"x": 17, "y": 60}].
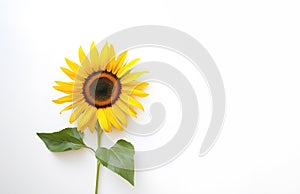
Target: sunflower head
[{"x": 102, "y": 89}]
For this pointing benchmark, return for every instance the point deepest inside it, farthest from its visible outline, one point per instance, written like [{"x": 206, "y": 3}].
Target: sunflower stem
[
  {"x": 90, "y": 149},
  {"x": 97, "y": 176},
  {"x": 99, "y": 134}
]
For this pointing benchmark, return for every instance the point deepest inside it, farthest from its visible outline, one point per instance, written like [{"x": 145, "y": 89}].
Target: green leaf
[
  {"x": 119, "y": 159},
  {"x": 64, "y": 140}
]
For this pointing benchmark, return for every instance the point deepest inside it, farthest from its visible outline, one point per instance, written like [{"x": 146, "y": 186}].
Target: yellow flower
[{"x": 102, "y": 88}]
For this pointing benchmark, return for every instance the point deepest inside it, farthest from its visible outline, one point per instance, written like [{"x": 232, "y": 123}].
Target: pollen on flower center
[{"x": 101, "y": 89}]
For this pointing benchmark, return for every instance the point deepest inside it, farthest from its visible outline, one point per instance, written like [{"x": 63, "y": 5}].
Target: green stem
[
  {"x": 99, "y": 133},
  {"x": 90, "y": 149},
  {"x": 97, "y": 176}
]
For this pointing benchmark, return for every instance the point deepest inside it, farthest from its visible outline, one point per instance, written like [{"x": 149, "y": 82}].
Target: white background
[{"x": 255, "y": 45}]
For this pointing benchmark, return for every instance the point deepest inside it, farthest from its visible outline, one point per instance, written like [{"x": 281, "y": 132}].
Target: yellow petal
[
  {"x": 77, "y": 96},
  {"x": 110, "y": 65},
  {"x": 85, "y": 61},
  {"x": 73, "y": 66},
  {"x": 63, "y": 99},
  {"x": 81, "y": 74},
  {"x": 83, "y": 121},
  {"x": 65, "y": 89},
  {"x": 69, "y": 73},
  {"x": 120, "y": 115},
  {"x": 136, "y": 85},
  {"x": 71, "y": 84},
  {"x": 107, "y": 58},
  {"x": 131, "y": 101},
  {"x": 109, "y": 126},
  {"x": 111, "y": 118},
  {"x": 133, "y": 111},
  {"x": 104, "y": 56},
  {"x": 142, "y": 85},
  {"x": 78, "y": 85},
  {"x": 92, "y": 123},
  {"x": 125, "y": 107},
  {"x": 81, "y": 54},
  {"x": 94, "y": 55},
  {"x": 131, "y": 76},
  {"x": 67, "y": 108},
  {"x": 140, "y": 93},
  {"x": 104, "y": 124},
  {"x": 82, "y": 106},
  {"x": 111, "y": 52},
  {"x": 125, "y": 68},
  {"x": 119, "y": 62},
  {"x": 135, "y": 92},
  {"x": 73, "y": 105}
]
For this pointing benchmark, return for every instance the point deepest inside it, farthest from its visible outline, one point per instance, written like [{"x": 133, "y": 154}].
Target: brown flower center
[{"x": 102, "y": 89}]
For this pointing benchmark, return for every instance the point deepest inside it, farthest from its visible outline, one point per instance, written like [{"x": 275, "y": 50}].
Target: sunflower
[{"x": 102, "y": 89}]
